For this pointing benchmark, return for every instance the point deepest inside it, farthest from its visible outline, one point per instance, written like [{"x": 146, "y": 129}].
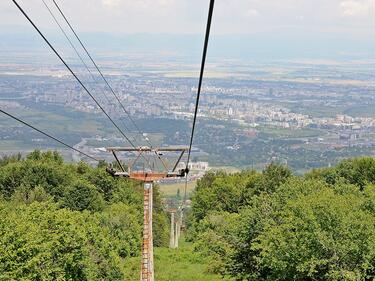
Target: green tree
[
  {"x": 5, "y": 160},
  {"x": 213, "y": 241},
  {"x": 223, "y": 192},
  {"x": 83, "y": 196},
  {"x": 160, "y": 220},
  {"x": 39, "y": 169},
  {"x": 28, "y": 196},
  {"x": 274, "y": 176},
  {"x": 64, "y": 221},
  {"x": 125, "y": 225},
  {"x": 41, "y": 242},
  {"x": 358, "y": 171},
  {"x": 48, "y": 156},
  {"x": 275, "y": 226},
  {"x": 321, "y": 236}
]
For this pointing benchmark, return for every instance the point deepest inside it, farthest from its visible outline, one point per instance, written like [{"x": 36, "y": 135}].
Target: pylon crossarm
[
  {"x": 148, "y": 176},
  {"x": 149, "y": 149},
  {"x": 130, "y": 149}
]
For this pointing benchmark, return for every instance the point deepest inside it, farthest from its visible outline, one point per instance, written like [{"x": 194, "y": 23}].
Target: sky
[
  {"x": 346, "y": 21},
  {"x": 352, "y": 17}
]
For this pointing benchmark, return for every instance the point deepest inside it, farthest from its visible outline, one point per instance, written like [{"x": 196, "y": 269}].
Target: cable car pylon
[{"x": 148, "y": 178}]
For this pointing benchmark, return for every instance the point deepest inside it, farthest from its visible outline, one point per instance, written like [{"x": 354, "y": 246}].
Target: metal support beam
[
  {"x": 149, "y": 149},
  {"x": 178, "y": 160},
  {"x": 172, "y": 232},
  {"x": 177, "y": 233},
  {"x": 147, "y": 266},
  {"x": 118, "y": 161}
]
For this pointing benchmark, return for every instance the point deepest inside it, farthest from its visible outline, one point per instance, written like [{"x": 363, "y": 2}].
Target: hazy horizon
[{"x": 241, "y": 29}]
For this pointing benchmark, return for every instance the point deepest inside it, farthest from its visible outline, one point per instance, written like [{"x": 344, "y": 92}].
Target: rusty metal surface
[
  {"x": 149, "y": 149},
  {"x": 147, "y": 264},
  {"x": 147, "y": 177}
]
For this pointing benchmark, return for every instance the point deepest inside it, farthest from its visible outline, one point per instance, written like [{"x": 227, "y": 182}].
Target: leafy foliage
[
  {"x": 63, "y": 221},
  {"x": 83, "y": 196},
  {"x": 276, "y": 226},
  {"x": 41, "y": 242}
]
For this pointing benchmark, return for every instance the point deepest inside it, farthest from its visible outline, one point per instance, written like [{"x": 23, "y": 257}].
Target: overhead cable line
[
  {"x": 78, "y": 54},
  {"x": 72, "y": 72},
  {"x": 67, "y": 38},
  {"x": 204, "y": 55},
  {"x": 100, "y": 72},
  {"x": 48, "y": 135}
]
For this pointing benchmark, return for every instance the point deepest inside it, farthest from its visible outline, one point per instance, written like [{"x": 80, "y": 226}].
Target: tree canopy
[
  {"x": 62, "y": 221},
  {"x": 276, "y": 226}
]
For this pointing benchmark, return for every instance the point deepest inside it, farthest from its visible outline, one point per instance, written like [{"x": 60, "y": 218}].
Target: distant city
[{"x": 280, "y": 111}]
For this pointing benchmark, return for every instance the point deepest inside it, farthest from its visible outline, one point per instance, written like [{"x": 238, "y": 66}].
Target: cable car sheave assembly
[{"x": 147, "y": 176}]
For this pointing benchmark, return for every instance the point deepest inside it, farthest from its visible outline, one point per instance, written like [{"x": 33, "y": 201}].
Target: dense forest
[
  {"x": 276, "y": 226},
  {"x": 66, "y": 221},
  {"x": 69, "y": 221}
]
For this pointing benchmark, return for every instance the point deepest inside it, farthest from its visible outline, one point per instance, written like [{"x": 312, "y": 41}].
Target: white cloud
[
  {"x": 252, "y": 13},
  {"x": 138, "y": 4},
  {"x": 352, "y": 8},
  {"x": 165, "y": 2},
  {"x": 189, "y": 16},
  {"x": 111, "y": 3}
]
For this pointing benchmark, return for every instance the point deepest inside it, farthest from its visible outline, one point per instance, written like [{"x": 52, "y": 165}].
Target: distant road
[{"x": 80, "y": 146}]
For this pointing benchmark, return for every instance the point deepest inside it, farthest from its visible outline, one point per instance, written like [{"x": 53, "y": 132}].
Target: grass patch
[
  {"x": 13, "y": 145},
  {"x": 58, "y": 124},
  {"x": 361, "y": 111},
  {"x": 228, "y": 169},
  {"x": 169, "y": 190},
  {"x": 281, "y": 133},
  {"x": 181, "y": 264},
  {"x": 316, "y": 110}
]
